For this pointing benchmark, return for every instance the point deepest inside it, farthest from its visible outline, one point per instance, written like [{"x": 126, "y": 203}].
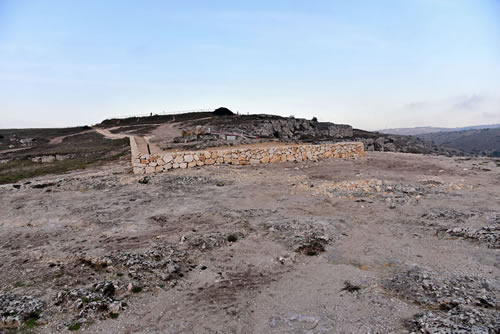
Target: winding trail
[{"x": 58, "y": 140}]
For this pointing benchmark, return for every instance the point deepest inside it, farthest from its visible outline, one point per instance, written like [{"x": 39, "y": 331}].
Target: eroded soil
[{"x": 389, "y": 243}]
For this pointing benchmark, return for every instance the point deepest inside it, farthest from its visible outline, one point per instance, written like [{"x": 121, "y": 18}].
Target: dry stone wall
[{"x": 163, "y": 162}]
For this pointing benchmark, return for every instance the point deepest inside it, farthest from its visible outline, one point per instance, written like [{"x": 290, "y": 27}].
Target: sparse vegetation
[
  {"x": 88, "y": 149},
  {"x": 75, "y": 326},
  {"x": 30, "y": 322}
]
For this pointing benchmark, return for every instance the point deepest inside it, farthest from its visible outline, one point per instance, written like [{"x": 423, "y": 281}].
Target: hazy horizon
[{"x": 372, "y": 65}]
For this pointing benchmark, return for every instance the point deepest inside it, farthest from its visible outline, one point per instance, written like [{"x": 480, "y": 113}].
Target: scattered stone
[
  {"x": 489, "y": 235},
  {"x": 15, "y": 309},
  {"x": 89, "y": 302},
  {"x": 144, "y": 180},
  {"x": 463, "y": 304},
  {"x": 451, "y": 214}
]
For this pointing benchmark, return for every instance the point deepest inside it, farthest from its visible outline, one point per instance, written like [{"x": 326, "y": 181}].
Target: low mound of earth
[{"x": 389, "y": 243}]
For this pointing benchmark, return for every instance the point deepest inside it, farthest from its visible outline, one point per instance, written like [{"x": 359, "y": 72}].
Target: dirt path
[
  {"x": 143, "y": 144},
  {"x": 165, "y": 134},
  {"x": 58, "y": 140},
  {"x": 14, "y": 149},
  {"x": 108, "y": 134}
]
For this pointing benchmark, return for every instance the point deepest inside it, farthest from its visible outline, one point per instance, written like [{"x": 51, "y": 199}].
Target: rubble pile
[
  {"x": 98, "y": 300},
  {"x": 211, "y": 240},
  {"x": 159, "y": 263},
  {"x": 305, "y": 237},
  {"x": 489, "y": 235},
  {"x": 371, "y": 189},
  {"x": 451, "y": 214},
  {"x": 460, "y": 304},
  {"x": 15, "y": 309}
]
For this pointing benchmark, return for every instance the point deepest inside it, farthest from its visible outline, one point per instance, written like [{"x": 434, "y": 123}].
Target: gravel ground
[{"x": 389, "y": 243}]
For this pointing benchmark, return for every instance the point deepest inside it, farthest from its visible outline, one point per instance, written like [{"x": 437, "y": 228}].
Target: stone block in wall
[{"x": 168, "y": 158}]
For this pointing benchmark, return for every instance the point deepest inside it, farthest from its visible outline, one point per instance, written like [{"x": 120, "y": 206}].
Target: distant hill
[
  {"x": 430, "y": 129},
  {"x": 477, "y": 141},
  {"x": 194, "y": 127}
]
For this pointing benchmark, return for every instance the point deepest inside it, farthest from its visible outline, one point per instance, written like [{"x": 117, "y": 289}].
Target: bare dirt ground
[{"x": 389, "y": 243}]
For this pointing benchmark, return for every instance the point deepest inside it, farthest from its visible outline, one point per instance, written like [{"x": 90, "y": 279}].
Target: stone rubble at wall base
[{"x": 162, "y": 162}]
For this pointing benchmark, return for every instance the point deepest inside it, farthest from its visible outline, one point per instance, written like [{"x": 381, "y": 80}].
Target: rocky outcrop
[
  {"x": 52, "y": 158},
  {"x": 301, "y": 129},
  {"x": 375, "y": 141},
  {"x": 270, "y": 126}
]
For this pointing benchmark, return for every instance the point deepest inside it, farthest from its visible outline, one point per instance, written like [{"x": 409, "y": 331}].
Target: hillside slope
[{"x": 476, "y": 141}]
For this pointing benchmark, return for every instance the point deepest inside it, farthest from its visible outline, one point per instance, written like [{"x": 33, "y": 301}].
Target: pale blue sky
[{"x": 371, "y": 64}]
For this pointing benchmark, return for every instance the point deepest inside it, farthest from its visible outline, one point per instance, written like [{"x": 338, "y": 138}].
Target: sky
[{"x": 372, "y": 64}]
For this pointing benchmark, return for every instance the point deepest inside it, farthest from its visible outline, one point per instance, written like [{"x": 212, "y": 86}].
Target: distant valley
[{"x": 478, "y": 140}]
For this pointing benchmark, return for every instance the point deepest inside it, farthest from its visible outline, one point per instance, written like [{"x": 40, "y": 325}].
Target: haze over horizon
[{"x": 388, "y": 64}]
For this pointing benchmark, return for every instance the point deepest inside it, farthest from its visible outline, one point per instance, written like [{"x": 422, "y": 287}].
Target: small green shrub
[
  {"x": 74, "y": 326},
  {"x": 30, "y": 323}
]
